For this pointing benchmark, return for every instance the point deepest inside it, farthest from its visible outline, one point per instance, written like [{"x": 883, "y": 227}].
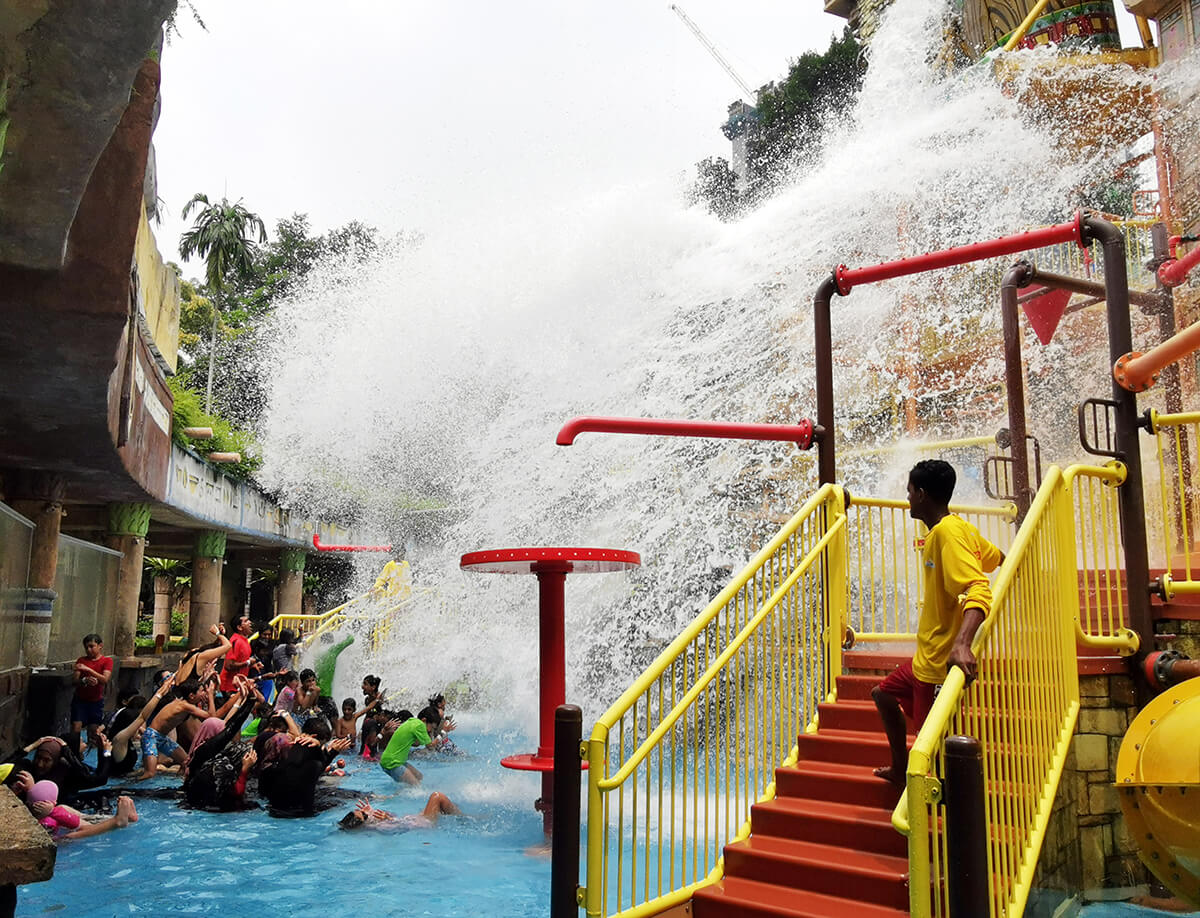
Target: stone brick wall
[{"x": 1087, "y": 847}]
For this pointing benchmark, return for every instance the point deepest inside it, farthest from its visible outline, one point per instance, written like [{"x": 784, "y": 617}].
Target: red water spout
[
  {"x": 319, "y": 547},
  {"x": 802, "y": 434},
  {"x": 1174, "y": 272}
]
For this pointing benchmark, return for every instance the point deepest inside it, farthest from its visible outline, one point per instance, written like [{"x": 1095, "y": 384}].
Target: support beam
[
  {"x": 208, "y": 560},
  {"x": 127, "y": 525},
  {"x": 291, "y": 582},
  {"x": 38, "y": 496}
]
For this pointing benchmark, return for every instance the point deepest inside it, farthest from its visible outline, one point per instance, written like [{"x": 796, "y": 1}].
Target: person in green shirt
[{"x": 407, "y": 731}]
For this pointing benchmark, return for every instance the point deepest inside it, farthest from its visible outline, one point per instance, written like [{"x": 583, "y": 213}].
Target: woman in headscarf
[
  {"x": 53, "y": 760},
  {"x": 215, "y": 773}
]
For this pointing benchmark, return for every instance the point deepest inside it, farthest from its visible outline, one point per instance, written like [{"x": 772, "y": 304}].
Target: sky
[{"x": 413, "y": 116}]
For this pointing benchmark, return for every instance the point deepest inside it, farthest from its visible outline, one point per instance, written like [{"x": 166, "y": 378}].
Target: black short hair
[
  {"x": 126, "y": 697},
  {"x": 288, "y": 678},
  {"x": 238, "y": 619},
  {"x": 349, "y": 701},
  {"x": 936, "y": 478},
  {"x": 316, "y": 726},
  {"x": 307, "y": 674},
  {"x": 435, "y": 700},
  {"x": 372, "y": 681},
  {"x": 351, "y": 821},
  {"x": 405, "y": 714},
  {"x": 92, "y": 639},
  {"x": 187, "y": 687},
  {"x": 286, "y": 636},
  {"x": 135, "y": 701},
  {"x": 430, "y": 715}
]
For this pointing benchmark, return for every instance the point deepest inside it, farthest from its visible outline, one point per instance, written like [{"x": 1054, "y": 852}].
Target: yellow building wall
[{"x": 158, "y": 298}]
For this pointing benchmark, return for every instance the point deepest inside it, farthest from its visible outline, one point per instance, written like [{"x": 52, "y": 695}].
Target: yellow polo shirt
[{"x": 956, "y": 560}]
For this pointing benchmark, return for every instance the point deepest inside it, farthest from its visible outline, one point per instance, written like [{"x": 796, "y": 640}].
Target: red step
[
  {"x": 862, "y": 876},
  {"x": 855, "y": 688},
  {"x": 853, "y": 715},
  {"x": 851, "y": 747},
  {"x": 860, "y": 828},
  {"x": 837, "y": 783},
  {"x": 734, "y": 897}
]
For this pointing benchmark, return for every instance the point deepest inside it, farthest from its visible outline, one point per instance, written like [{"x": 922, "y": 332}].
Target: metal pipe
[
  {"x": 319, "y": 547},
  {"x": 564, "y": 842},
  {"x": 1151, "y": 301},
  {"x": 1132, "y": 503},
  {"x": 966, "y": 828},
  {"x": 1026, "y": 24},
  {"x": 847, "y": 278},
  {"x": 802, "y": 433},
  {"x": 1174, "y": 272},
  {"x": 1138, "y": 372},
  {"x": 1014, "y": 384},
  {"x": 823, "y": 367}
]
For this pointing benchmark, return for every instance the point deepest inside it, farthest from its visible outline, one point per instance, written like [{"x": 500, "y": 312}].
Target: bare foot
[
  {"x": 126, "y": 812},
  {"x": 889, "y": 774}
]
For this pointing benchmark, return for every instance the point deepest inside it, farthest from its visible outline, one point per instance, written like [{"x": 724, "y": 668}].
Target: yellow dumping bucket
[{"x": 1158, "y": 782}]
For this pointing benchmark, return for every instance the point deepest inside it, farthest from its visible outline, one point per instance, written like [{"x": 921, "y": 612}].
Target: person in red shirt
[
  {"x": 239, "y": 659},
  {"x": 92, "y": 672}
]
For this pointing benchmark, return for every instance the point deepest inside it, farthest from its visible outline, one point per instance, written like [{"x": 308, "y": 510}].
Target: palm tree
[{"x": 221, "y": 236}]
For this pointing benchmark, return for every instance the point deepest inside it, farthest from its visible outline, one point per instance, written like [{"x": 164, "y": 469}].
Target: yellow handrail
[
  {"x": 1022, "y": 708},
  {"x": 1026, "y": 23},
  {"x": 679, "y": 759}
]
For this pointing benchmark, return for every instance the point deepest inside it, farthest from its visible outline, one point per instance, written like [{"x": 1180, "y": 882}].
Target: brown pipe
[
  {"x": 1151, "y": 302},
  {"x": 1014, "y": 382},
  {"x": 823, "y": 365}
]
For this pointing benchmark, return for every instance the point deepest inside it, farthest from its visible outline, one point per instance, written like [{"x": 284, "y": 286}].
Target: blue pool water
[{"x": 184, "y": 861}]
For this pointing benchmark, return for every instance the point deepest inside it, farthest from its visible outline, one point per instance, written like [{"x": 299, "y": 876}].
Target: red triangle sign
[{"x": 1044, "y": 311}]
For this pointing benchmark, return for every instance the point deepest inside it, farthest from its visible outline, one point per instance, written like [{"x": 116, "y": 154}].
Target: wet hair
[
  {"x": 288, "y": 678},
  {"x": 135, "y": 701},
  {"x": 430, "y": 715},
  {"x": 405, "y": 714},
  {"x": 349, "y": 703},
  {"x": 286, "y": 636},
  {"x": 936, "y": 478},
  {"x": 127, "y": 697},
  {"x": 92, "y": 639},
  {"x": 317, "y": 727},
  {"x": 372, "y": 681},
  {"x": 435, "y": 700},
  {"x": 351, "y": 821},
  {"x": 187, "y": 687},
  {"x": 306, "y": 674}
]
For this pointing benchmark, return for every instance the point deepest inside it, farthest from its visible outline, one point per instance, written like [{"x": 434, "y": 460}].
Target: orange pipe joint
[
  {"x": 803, "y": 433},
  {"x": 1138, "y": 372}
]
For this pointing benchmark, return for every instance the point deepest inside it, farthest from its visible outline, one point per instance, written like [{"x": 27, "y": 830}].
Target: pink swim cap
[{"x": 43, "y": 792}]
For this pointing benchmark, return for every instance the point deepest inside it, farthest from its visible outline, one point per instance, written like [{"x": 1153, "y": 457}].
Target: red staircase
[{"x": 825, "y": 846}]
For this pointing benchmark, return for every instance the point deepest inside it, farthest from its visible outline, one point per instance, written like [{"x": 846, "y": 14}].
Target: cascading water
[{"x": 424, "y": 389}]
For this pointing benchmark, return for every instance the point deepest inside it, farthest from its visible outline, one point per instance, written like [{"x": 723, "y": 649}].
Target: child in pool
[
  {"x": 65, "y": 822},
  {"x": 285, "y": 700},
  {"x": 407, "y": 731},
  {"x": 364, "y": 814},
  {"x": 346, "y": 725}
]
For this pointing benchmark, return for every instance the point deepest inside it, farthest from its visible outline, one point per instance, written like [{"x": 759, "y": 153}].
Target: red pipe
[
  {"x": 319, "y": 547},
  {"x": 849, "y": 278},
  {"x": 1173, "y": 273},
  {"x": 802, "y": 434}
]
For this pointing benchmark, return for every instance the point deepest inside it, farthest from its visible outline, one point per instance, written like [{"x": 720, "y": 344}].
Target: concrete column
[
  {"x": 163, "y": 588},
  {"x": 127, "y": 527},
  {"x": 38, "y": 496},
  {"x": 208, "y": 559},
  {"x": 291, "y": 582}
]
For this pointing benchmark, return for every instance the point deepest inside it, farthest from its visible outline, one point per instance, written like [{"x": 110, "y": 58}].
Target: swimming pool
[{"x": 192, "y": 862}]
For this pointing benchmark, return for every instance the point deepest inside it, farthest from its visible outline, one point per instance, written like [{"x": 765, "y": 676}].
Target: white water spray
[{"x": 426, "y": 390}]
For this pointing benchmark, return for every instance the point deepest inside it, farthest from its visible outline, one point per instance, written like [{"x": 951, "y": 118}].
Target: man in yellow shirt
[{"x": 957, "y": 598}]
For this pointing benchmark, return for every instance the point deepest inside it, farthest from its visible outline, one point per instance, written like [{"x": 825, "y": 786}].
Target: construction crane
[{"x": 747, "y": 92}]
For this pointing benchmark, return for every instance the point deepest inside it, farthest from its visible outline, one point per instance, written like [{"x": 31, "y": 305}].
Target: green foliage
[
  {"x": 226, "y": 438},
  {"x": 792, "y": 116}
]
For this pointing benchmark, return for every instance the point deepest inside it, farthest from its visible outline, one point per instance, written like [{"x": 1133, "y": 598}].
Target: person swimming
[{"x": 364, "y": 815}]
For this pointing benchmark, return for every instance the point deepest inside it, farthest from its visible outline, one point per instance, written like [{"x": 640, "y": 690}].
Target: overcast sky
[{"x": 407, "y": 115}]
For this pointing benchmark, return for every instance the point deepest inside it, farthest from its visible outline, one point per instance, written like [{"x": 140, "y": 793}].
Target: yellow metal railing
[
  {"x": 1022, "y": 708},
  {"x": 676, "y": 763},
  {"x": 1171, "y": 500},
  {"x": 885, "y": 579}
]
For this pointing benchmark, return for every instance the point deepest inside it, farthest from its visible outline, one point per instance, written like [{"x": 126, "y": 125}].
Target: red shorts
[{"x": 915, "y": 697}]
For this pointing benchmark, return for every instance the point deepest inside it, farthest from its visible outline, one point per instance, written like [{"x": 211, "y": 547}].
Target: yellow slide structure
[{"x": 1158, "y": 782}]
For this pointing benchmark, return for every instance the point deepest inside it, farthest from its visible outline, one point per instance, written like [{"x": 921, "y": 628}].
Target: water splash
[{"x": 424, "y": 391}]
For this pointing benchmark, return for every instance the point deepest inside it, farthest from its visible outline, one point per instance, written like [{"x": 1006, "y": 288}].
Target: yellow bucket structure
[{"x": 1158, "y": 783}]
